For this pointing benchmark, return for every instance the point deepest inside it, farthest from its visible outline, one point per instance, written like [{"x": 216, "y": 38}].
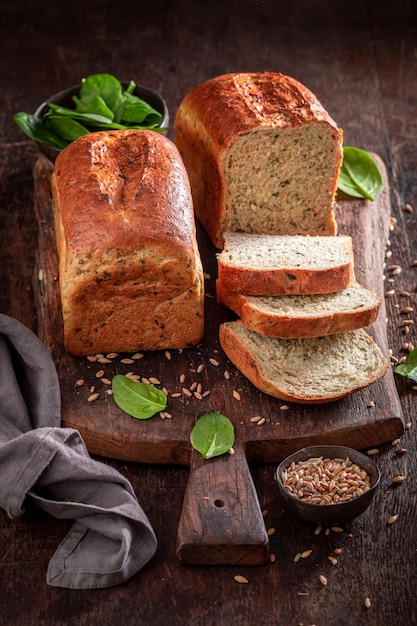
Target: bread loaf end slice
[{"x": 307, "y": 371}]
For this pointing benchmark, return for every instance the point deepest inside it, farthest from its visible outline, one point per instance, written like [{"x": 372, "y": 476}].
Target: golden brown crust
[
  {"x": 130, "y": 271},
  {"x": 214, "y": 113},
  {"x": 288, "y": 325},
  {"x": 276, "y": 282}
]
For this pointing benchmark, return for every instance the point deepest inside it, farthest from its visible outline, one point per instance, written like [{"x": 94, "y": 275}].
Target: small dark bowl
[
  {"x": 329, "y": 514},
  {"x": 64, "y": 98}
]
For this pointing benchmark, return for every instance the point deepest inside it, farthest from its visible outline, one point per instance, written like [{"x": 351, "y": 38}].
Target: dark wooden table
[{"x": 359, "y": 57}]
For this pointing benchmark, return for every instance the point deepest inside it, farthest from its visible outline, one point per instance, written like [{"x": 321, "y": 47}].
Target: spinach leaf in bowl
[{"x": 102, "y": 103}]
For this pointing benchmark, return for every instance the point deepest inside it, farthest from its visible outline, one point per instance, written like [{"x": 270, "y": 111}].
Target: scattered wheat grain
[{"x": 240, "y": 579}]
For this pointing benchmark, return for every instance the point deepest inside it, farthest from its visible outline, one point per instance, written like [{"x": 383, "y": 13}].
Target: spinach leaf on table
[
  {"x": 359, "y": 175},
  {"x": 409, "y": 368}
]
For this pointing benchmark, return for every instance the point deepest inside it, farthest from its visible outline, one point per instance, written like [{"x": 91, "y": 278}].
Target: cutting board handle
[{"x": 221, "y": 520}]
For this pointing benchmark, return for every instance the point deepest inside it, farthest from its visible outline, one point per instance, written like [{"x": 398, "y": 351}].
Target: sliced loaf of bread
[
  {"x": 270, "y": 265},
  {"x": 292, "y": 316},
  {"x": 262, "y": 154},
  {"x": 308, "y": 371}
]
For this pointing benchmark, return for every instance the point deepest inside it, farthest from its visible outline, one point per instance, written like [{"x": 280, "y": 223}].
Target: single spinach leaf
[
  {"x": 136, "y": 111},
  {"x": 36, "y": 130},
  {"x": 66, "y": 128},
  {"x": 137, "y": 399},
  {"x": 212, "y": 435},
  {"x": 92, "y": 118},
  {"x": 359, "y": 175},
  {"x": 104, "y": 85},
  {"x": 93, "y": 104},
  {"x": 409, "y": 368}
]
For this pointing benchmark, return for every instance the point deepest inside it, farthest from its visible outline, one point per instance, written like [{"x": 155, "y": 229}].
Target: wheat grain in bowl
[{"x": 327, "y": 484}]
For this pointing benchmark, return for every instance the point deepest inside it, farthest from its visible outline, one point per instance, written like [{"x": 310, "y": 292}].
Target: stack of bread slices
[{"x": 300, "y": 334}]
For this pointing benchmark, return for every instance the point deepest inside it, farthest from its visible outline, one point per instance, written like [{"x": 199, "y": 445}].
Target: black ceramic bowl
[
  {"x": 329, "y": 514},
  {"x": 64, "y": 98}
]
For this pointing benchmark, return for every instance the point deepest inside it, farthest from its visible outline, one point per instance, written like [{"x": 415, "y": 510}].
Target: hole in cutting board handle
[{"x": 221, "y": 520}]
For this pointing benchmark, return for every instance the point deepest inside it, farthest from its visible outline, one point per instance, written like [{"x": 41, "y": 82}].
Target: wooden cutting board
[{"x": 221, "y": 521}]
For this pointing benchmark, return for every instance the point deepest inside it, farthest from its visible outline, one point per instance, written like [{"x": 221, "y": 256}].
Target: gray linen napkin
[{"x": 111, "y": 538}]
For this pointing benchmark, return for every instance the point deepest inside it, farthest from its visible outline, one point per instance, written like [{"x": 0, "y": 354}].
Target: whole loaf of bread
[
  {"x": 262, "y": 154},
  {"x": 130, "y": 273}
]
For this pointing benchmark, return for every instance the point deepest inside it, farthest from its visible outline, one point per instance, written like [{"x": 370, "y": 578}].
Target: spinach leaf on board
[
  {"x": 101, "y": 104},
  {"x": 409, "y": 368},
  {"x": 359, "y": 175},
  {"x": 212, "y": 435},
  {"x": 138, "y": 399}
]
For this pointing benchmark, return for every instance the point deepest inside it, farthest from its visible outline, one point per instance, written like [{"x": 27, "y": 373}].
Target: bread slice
[
  {"x": 309, "y": 371},
  {"x": 295, "y": 316},
  {"x": 262, "y": 154},
  {"x": 271, "y": 265}
]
